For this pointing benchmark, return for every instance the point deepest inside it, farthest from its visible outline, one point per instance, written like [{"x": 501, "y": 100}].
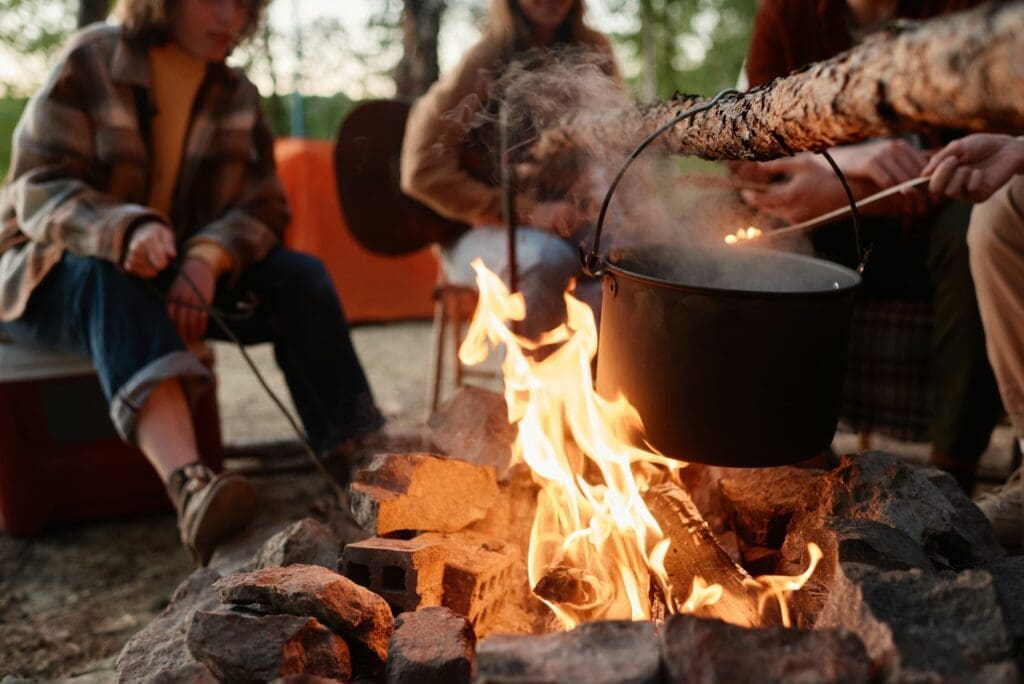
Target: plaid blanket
[{"x": 887, "y": 388}]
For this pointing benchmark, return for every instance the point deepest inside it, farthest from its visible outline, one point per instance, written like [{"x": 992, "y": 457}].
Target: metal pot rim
[{"x": 841, "y": 290}]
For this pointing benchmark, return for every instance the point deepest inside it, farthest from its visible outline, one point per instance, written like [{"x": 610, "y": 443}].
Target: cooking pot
[{"x": 732, "y": 356}]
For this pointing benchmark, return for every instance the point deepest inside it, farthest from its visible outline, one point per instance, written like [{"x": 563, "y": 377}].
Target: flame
[
  {"x": 780, "y": 587},
  {"x": 595, "y": 547},
  {"x": 749, "y": 233},
  {"x": 591, "y": 516}
]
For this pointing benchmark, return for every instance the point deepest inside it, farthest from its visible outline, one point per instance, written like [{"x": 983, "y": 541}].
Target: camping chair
[{"x": 385, "y": 221}]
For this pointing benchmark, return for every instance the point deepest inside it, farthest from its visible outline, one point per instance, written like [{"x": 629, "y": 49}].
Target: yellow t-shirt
[{"x": 175, "y": 76}]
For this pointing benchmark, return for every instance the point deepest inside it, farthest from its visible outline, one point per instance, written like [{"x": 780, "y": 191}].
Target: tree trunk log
[
  {"x": 695, "y": 553},
  {"x": 91, "y": 11},
  {"x": 418, "y": 68},
  {"x": 964, "y": 71}
]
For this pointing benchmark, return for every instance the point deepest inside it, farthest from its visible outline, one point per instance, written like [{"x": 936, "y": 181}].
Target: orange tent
[{"x": 372, "y": 288}]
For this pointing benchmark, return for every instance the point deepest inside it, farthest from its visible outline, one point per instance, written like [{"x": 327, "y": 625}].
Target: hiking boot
[
  {"x": 1004, "y": 508},
  {"x": 210, "y": 507}
]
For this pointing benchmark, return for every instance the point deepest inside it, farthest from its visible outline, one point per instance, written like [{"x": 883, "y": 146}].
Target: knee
[
  {"x": 992, "y": 223},
  {"x": 303, "y": 274}
]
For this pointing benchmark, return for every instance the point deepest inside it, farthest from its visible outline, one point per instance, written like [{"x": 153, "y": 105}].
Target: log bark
[
  {"x": 964, "y": 71},
  {"x": 695, "y": 553}
]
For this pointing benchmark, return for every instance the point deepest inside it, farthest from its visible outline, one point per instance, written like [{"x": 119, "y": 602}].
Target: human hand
[
  {"x": 974, "y": 167},
  {"x": 802, "y": 189},
  {"x": 150, "y": 249},
  {"x": 885, "y": 163},
  {"x": 185, "y": 306}
]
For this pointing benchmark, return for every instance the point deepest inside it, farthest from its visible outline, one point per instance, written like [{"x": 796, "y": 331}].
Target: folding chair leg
[
  {"x": 437, "y": 375},
  {"x": 455, "y": 325}
]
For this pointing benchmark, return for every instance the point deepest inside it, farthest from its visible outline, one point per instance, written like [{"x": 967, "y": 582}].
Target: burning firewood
[
  {"x": 961, "y": 71},
  {"x": 695, "y": 553}
]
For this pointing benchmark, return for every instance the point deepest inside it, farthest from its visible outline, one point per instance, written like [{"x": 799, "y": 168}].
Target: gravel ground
[{"x": 70, "y": 599}]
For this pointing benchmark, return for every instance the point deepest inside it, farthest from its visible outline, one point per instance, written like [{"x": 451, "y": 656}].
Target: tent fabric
[{"x": 372, "y": 288}]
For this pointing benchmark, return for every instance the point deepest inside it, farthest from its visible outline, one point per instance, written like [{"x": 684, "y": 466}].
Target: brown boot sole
[{"x": 229, "y": 506}]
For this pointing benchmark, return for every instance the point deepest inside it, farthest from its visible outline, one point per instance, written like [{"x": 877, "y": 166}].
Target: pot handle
[{"x": 593, "y": 263}]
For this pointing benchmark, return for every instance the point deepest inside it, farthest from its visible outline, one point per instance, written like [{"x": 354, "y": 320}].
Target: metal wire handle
[{"x": 593, "y": 263}]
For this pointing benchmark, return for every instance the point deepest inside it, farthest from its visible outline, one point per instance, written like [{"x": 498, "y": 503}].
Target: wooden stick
[{"x": 819, "y": 221}]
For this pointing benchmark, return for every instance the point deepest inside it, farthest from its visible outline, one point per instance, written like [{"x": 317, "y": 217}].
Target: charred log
[
  {"x": 696, "y": 553},
  {"x": 964, "y": 71}
]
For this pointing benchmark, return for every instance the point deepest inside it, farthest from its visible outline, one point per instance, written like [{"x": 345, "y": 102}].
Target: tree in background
[
  {"x": 694, "y": 46},
  {"x": 90, "y": 11},
  {"x": 418, "y": 67}
]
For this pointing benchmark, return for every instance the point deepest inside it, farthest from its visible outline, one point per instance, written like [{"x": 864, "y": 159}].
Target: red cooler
[{"x": 61, "y": 460}]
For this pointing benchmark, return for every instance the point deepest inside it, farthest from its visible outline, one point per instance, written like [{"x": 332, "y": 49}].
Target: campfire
[
  {"x": 596, "y": 550},
  {"x": 572, "y": 550}
]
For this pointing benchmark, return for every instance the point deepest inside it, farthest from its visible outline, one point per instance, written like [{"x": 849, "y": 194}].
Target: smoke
[{"x": 658, "y": 202}]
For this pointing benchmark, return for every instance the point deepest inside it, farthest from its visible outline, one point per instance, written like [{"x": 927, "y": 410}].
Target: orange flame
[
  {"x": 780, "y": 587},
  {"x": 592, "y": 528}
]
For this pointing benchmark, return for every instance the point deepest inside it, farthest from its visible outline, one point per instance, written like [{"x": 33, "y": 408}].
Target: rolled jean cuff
[{"x": 130, "y": 397}]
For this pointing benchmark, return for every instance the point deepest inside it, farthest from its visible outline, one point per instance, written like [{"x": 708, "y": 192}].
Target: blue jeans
[{"x": 88, "y": 306}]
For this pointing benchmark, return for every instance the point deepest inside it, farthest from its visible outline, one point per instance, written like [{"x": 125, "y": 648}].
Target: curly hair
[{"x": 148, "y": 21}]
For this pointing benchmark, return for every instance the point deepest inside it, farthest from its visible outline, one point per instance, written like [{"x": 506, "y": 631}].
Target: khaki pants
[{"x": 996, "y": 241}]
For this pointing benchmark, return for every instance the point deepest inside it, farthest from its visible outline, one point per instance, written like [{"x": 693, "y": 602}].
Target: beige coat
[{"x": 430, "y": 168}]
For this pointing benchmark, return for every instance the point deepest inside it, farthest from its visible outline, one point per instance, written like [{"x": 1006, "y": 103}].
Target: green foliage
[
  {"x": 698, "y": 45},
  {"x": 10, "y": 112},
  {"x": 323, "y": 115}
]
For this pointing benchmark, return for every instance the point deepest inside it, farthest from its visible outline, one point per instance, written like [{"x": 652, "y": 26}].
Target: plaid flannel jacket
[{"x": 80, "y": 168}]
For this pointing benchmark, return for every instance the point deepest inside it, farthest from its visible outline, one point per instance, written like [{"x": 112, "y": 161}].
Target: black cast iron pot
[{"x": 732, "y": 356}]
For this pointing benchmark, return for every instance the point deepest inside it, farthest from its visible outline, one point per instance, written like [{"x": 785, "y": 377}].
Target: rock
[
  {"x": 968, "y": 520},
  {"x": 309, "y": 590},
  {"x": 473, "y": 426},
  {"x": 424, "y": 492},
  {"x": 709, "y": 651},
  {"x": 917, "y": 626},
  {"x": 1008, "y": 578},
  {"x": 158, "y": 652},
  {"x": 760, "y": 501},
  {"x": 610, "y": 652},
  {"x": 307, "y": 542},
  {"x": 879, "y": 486},
  {"x": 431, "y": 646},
  {"x": 842, "y": 540},
  {"x": 196, "y": 673},
  {"x": 240, "y": 647}
]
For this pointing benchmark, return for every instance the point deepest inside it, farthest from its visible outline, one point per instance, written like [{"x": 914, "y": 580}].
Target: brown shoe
[{"x": 210, "y": 507}]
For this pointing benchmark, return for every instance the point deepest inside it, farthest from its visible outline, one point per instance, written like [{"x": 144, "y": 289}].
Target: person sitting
[
  {"x": 989, "y": 169},
  {"x": 142, "y": 187},
  {"x": 433, "y": 172},
  {"x": 920, "y": 251}
]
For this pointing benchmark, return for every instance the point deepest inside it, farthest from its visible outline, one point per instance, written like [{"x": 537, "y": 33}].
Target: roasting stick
[{"x": 817, "y": 221}]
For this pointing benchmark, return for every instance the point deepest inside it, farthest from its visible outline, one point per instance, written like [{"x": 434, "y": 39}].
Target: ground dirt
[{"x": 71, "y": 598}]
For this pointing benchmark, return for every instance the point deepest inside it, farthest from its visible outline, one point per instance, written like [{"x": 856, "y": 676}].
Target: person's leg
[
  {"x": 996, "y": 240},
  {"x": 545, "y": 264},
  {"x": 89, "y": 307},
  {"x": 967, "y": 404},
  {"x": 297, "y": 309}
]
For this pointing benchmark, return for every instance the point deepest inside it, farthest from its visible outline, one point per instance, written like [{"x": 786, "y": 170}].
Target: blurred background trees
[{"x": 380, "y": 48}]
